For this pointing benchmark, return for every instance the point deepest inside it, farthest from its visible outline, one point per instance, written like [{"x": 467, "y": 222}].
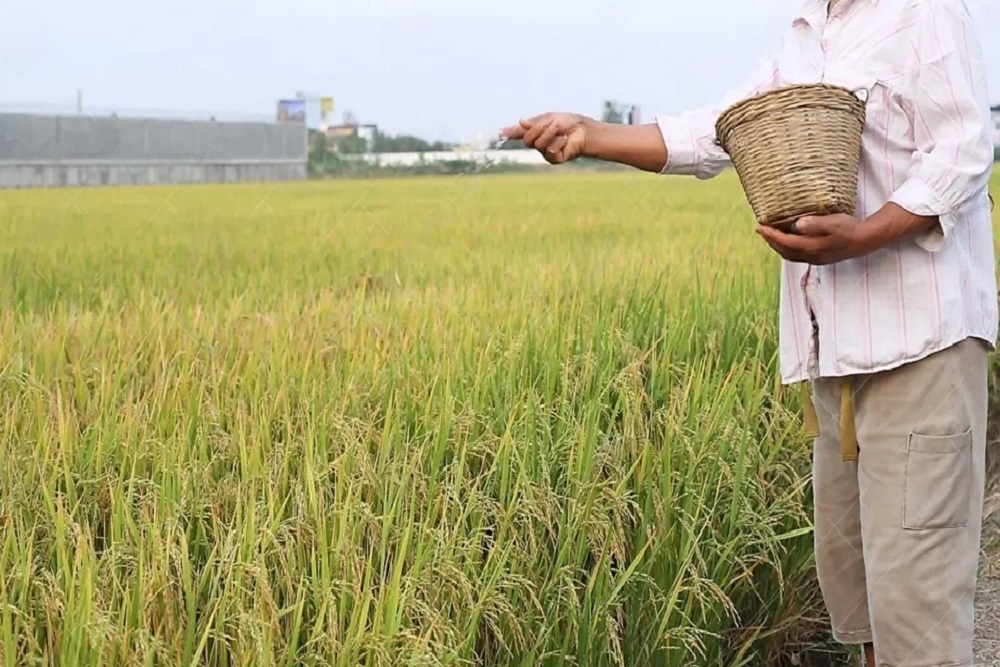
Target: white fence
[{"x": 524, "y": 156}]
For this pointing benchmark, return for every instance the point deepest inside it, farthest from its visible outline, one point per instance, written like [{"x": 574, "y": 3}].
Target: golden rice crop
[{"x": 504, "y": 420}]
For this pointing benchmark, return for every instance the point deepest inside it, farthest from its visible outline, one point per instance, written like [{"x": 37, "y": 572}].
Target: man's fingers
[
  {"x": 523, "y": 126},
  {"x": 547, "y": 133},
  {"x": 775, "y": 246},
  {"x": 787, "y": 254},
  {"x": 812, "y": 226},
  {"x": 543, "y": 142},
  {"x": 513, "y": 132},
  {"x": 793, "y": 248},
  {"x": 793, "y": 242},
  {"x": 558, "y": 144},
  {"x": 531, "y": 136},
  {"x": 552, "y": 157}
]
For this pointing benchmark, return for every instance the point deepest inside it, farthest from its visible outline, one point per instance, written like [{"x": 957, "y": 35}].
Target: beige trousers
[{"x": 898, "y": 530}]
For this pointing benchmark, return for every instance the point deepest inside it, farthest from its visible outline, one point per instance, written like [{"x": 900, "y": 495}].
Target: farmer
[{"x": 888, "y": 318}]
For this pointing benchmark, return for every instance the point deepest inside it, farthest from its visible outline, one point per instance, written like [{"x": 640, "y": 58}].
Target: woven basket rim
[{"x": 830, "y": 91}]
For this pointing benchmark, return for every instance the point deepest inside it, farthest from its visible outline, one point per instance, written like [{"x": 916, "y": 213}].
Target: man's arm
[
  {"x": 638, "y": 146},
  {"x": 892, "y": 223},
  {"x": 951, "y": 167},
  {"x": 683, "y": 144}
]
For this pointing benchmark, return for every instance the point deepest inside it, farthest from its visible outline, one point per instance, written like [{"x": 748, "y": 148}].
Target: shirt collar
[{"x": 813, "y": 12}]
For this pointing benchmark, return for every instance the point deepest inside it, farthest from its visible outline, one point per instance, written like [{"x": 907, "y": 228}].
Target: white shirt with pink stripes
[{"x": 927, "y": 146}]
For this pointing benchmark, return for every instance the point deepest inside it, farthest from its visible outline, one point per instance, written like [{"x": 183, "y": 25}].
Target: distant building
[{"x": 336, "y": 133}]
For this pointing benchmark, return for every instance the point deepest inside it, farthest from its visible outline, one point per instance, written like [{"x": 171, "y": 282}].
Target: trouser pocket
[{"x": 938, "y": 482}]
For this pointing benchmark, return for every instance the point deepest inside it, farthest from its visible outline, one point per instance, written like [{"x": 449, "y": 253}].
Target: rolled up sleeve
[
  {"x": 690, "y": 142},
  {"x": 950, "y": 168},
  {"x": 690, "y": 136}
]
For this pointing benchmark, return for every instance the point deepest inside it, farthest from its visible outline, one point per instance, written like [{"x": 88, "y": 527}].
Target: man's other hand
[{"x": 820, "y": 240}]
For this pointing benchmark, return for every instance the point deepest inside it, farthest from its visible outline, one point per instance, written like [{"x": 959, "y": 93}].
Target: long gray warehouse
[{"x": 65, "y": 151}]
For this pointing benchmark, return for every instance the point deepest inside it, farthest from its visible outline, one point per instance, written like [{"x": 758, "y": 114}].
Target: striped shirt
[{"x": 927, "y": 146}]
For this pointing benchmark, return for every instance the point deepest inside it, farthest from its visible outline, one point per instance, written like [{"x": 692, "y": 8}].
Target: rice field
[{"x": 485, "y": 421}]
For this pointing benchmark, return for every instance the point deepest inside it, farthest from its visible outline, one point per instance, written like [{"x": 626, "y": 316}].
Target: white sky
[{"x": 441, "y": 69}]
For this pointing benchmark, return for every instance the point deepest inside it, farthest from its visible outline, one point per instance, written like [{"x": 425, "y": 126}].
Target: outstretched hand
[{"x": 559, "y": 137}]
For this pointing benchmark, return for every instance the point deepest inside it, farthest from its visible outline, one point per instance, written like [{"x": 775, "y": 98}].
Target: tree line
[{"x": 612, "y": 112}]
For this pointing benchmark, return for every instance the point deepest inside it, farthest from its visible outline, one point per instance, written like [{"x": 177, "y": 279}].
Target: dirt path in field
[
  {"x": 988, "y": 595},
  {"x": 988, "y": 621}
]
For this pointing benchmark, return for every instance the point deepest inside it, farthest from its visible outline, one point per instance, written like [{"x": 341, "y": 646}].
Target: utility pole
[
  {"x": 79, "y": 102},
  {"x": 633, "y": 115}
]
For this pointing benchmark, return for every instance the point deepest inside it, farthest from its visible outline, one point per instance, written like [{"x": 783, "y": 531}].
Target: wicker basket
[{"x": 796, "y": 150}]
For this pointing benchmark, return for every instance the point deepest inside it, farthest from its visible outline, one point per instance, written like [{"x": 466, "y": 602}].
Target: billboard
[{"x": 291, "y": 111}]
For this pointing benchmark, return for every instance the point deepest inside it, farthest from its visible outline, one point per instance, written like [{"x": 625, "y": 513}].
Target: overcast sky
[{"x": 441, "y": 69}]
